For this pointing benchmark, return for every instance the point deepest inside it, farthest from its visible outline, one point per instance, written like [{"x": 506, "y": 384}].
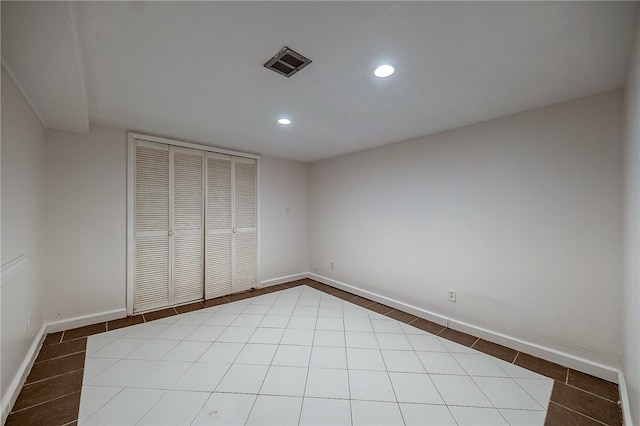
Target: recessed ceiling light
[
  {"x": 284, "y": 121},
  {"x": 385, "y": 70}
]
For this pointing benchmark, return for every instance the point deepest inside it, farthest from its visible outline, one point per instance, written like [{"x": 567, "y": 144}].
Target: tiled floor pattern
[
  {"x": 249, "y": 358},
  {"x": 299, "y": 356}
]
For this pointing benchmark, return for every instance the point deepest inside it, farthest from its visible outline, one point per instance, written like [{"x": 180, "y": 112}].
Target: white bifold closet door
[
  {"x": 244, "y": 224},
  {"x": 151, "y": 221},
  {"x": 231, "y": 263},
  {"x": 169, "y": 222},
  {"x": 188, "y": 225}
]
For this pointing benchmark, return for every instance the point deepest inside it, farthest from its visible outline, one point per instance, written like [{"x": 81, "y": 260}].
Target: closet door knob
[{"x": 170, "y": 233}]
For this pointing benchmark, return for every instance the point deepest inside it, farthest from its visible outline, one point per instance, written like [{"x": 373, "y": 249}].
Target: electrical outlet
[
  {"x": 332, "y": 266},
  {"x": 29, "y": 321},
  {"x": 452, "y": 296}
]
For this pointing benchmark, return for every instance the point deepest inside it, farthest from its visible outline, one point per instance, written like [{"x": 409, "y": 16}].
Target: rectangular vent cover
[{"x": 287, "y": 62}]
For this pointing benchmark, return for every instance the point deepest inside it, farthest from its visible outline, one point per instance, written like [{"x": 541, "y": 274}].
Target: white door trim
[{"x": 175, "y": 142}]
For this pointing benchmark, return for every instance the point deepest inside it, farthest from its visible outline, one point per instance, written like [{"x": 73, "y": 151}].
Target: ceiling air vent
[{"x": 287, "y": 62}]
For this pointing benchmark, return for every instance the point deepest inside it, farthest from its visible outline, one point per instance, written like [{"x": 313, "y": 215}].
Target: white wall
[
  {"x": 631, "y": 294},
  {"x": 23, "y": 229},
  {"x": 284, "y": 236},
  {"x": 521, "y": 215},
  {"x": 86, "y": 221}
]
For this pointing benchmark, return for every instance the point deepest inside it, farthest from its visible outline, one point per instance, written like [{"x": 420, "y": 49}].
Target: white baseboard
[
  {"x": 81, "y": 321},
  {"x": 572, "y": 361},
  {"x": 419, "y": 312},
  {"x": 562, "y": 358},
  {"x": 282, "y": 280},
  {"x": 624, "y": 400},
  {"x": 10, "y": 397}
]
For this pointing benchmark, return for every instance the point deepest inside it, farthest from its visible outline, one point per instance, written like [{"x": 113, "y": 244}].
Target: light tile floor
[{"x": 299, "y": 356}]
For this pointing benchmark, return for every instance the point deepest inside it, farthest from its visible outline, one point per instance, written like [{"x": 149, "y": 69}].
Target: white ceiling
[
  {"x": 40, "y": 50},
  {"x": 193, "y": 70}
]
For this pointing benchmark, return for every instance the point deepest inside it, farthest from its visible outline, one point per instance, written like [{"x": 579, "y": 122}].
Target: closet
[{"x": 192, "y": 223}]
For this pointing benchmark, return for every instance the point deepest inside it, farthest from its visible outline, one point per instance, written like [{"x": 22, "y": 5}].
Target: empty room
[{"x": 320, "y": 213}]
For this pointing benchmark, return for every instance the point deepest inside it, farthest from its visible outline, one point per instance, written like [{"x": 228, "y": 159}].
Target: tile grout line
[
  {"x": 346, "y": 354},
  {"x": 52, "y": 377},
  {"x": 590, "y": 393},
  {"x": 57, "y": 357},
  {"x": 578, "y": 413},
  {"x": 166, "y": 391},
  {"x": 158, "y": 360},
  {"x": 306, "y": 380},
  {"x": 425, "y": 369},
  {"x": 487, "y": 396},
  {"x": 268, "y": 368},
  {"x": 102, "y": 405},
  {"x": 387, "y": 368},
  {"x": 147, "y": 369},
  {"x": 78, "y": 338},
  {"x": 236, "y": 357},
  {"x": 44, "y": 402}
]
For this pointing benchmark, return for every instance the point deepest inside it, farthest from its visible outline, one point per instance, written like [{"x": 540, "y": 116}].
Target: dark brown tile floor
[{"x": 51, "y": 393}]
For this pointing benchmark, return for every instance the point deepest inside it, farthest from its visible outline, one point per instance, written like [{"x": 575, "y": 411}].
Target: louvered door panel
[
  {"x": 245, "y": 261},
  {"x": 188, "y": 210},
  {"x": 188, "y": 271},
  {"x": 219, "y": 221},
  {"x": 152, "y": 274},
  {"x": 152, "y": 189},
  {"x": 218, "y": 192},
  {"x": 188, "y": 195},
  {"x": 245, "y": 193},
  {"x": 218, "y": 265},
  {"x": 245, "y": 204},
  {"x": 151, "y": 222}
]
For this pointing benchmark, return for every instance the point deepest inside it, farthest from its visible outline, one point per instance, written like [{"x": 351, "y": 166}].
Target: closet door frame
[{"x": 132, "y": 139}]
